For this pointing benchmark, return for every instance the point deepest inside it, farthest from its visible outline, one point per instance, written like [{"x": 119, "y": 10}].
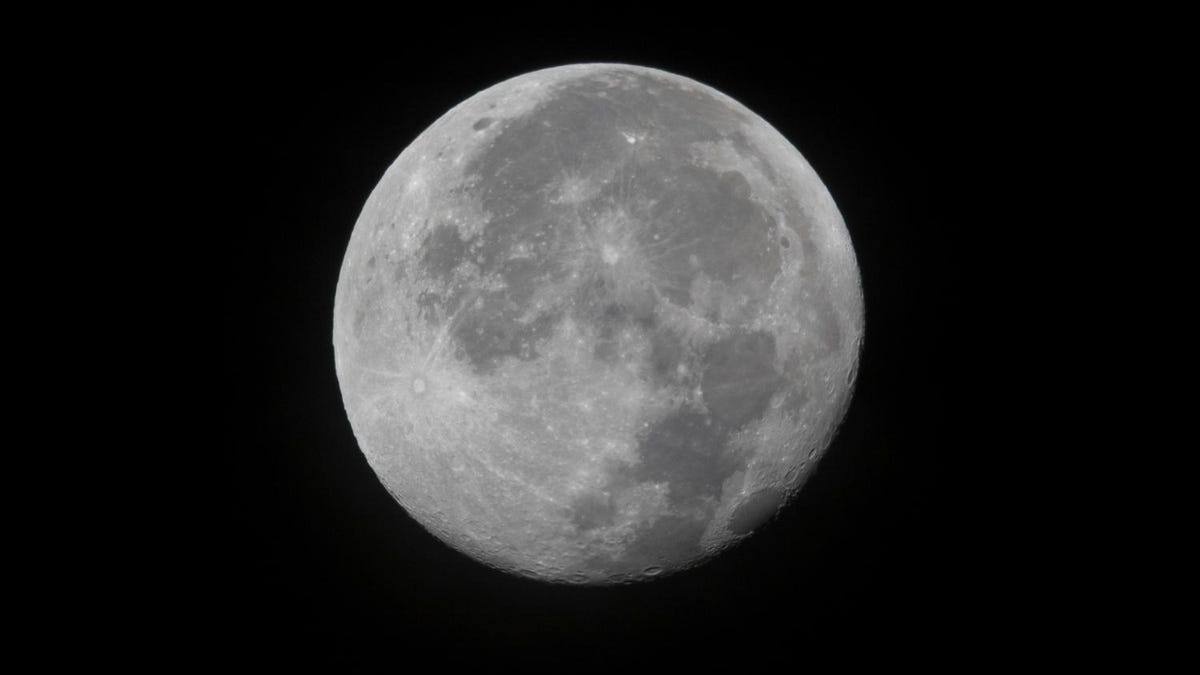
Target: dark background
[{"x": 890, "y": 544}]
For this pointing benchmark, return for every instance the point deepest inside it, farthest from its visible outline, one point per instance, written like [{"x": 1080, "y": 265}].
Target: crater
[{"x": 482, "y": 123}]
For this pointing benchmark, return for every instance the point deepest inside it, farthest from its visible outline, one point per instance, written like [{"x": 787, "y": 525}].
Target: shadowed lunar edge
[{"x": 626, "y": 231}]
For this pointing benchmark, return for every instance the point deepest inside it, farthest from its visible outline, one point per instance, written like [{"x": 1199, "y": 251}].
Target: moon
[{"x": 597, "y": 324}]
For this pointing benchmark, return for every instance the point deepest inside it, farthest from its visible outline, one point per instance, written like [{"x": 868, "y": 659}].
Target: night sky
[{"x": 888, "y": 544}]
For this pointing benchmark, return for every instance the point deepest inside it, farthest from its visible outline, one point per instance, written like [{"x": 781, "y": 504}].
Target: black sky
[{"x": 887, "y": 544}]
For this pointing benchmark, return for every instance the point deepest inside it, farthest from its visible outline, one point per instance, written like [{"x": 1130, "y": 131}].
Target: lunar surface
[{"x": 596, "y": 324}]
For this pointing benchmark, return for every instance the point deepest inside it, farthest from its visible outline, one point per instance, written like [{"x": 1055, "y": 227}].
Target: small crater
[
  {"x": 783, "y": 241},
  {"x": 418, "y": 385},
  {"x": 652, "y": 571},
  {"x": 482, "y": 123}
]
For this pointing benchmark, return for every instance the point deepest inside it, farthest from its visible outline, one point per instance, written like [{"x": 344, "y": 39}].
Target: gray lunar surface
[{"x": 596, "y": 324}]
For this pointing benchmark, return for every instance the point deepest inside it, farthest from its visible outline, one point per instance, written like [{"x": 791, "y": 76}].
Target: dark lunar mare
[
  {"x": 689, "y": 451},
  {"x": 697, "y": 219}
]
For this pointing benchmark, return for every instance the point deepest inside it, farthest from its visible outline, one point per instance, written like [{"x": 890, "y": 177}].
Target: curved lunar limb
[{"x": 596, "y": 324}]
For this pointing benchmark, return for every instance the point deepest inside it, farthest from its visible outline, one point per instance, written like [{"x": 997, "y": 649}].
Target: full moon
[{"x": 597, "y": 324}]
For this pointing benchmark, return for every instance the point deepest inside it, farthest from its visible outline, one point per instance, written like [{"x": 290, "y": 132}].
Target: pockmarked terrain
[{"x": 596, "y": 324}]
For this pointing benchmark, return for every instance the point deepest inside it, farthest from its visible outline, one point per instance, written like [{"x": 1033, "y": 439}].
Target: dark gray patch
[
  {"x": 608, "y": 322},
  {"x": 482, "y": 123},
  {"x": 735, "y": 184},
  {"x": 667, "y": 351},
  {"x": 688, "y": 451},
  {"x": 598, "y": 301},
  {"x": 593, "y": 305},
  {"x": 579, "y": 129},
  {"x": 570, "y": 130},
  {"x": 488, "y": 336},
  {"x": 827, "y": 322},
  {"x": 605, "y": 350},
  {"x": 427, "y": 306},
  {"x": 529, "y": 226},
  {"x": 669, "y": 540},
  {"x": 783, "y": 241},
  {"x": 593, "y": 510},
  {"x": 522, "y": 278},
  {"x": 494, "y": 325},
  {"x": 366, "y": 310},
  {"x": 710, "y": 216},
  {"x": 371, "y": 261},
  {"x": 442, "y": 251},
  {"x": 739, "y": 377},
  {"x": 746, "y": 149},
  {"x": 756, "y": 510}
]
